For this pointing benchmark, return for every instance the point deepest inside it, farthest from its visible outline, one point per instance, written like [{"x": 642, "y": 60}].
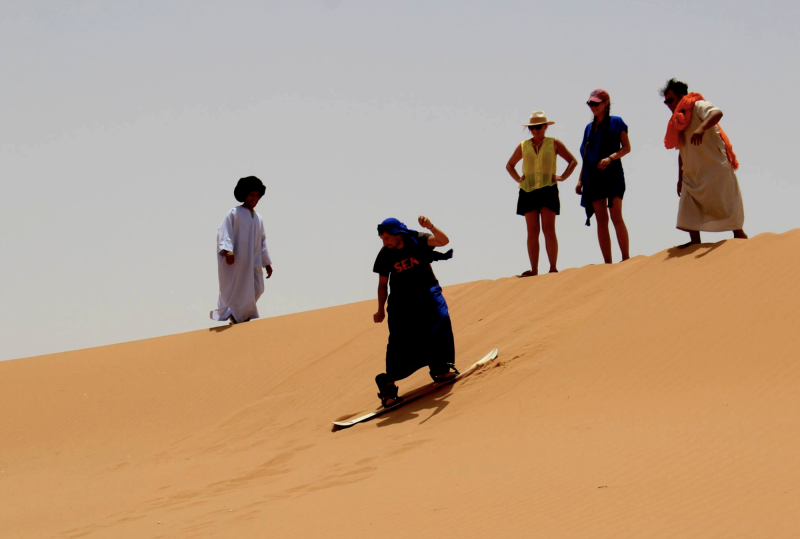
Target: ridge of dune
[{"x": 653, "y": 398}]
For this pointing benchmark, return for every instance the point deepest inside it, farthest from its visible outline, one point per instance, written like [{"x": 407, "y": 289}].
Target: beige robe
[{"x": 710, "y": 198}]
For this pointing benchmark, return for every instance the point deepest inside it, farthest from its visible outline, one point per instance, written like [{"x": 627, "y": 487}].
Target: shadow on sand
[
  {"x": 699, "y": 250},
  {"x": 436, "y": 401},
  {"x": 220, "y": 329}
]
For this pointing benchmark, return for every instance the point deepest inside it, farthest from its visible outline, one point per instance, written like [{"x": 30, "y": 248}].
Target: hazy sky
[{"x": 125, "y": 126}]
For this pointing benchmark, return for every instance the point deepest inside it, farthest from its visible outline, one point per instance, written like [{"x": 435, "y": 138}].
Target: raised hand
[{"x": 424, "y": 222}]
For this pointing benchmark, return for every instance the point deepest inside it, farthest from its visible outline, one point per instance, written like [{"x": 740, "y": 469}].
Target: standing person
[
  {"x": 710, "y": 197},
  {"x": 538, "y": 198},
  {"x": 602, "y": 181},
  {"x": 241, "y": 252},
  {"x": 420, "y": 332}
]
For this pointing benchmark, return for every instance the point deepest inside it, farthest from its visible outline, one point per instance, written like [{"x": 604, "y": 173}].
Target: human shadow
[
  {"x": 699, "y": 250},
  {"x": 220, "y": 329},
  {"x": 435, "y": 400}
]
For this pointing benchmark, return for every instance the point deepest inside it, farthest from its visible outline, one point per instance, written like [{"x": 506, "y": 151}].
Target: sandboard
[{"x": 416, "y": 394}]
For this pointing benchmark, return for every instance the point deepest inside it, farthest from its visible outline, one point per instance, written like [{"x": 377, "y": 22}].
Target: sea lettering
[{"x": 405, "y": 264}]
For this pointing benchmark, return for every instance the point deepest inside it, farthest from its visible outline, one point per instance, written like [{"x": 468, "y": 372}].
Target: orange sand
[{"x": 655, "y": 398}]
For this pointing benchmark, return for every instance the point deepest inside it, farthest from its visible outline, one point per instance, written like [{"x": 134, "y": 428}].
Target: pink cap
[{"x": 598, "y": 96}]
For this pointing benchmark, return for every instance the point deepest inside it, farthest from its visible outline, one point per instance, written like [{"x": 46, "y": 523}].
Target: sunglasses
[
  {"x": 593, "y": 104},
  {"x": 669, "y": 101},
  {"x": 535, "y": 127}
]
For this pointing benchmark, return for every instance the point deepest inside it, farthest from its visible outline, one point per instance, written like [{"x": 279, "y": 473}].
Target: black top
[{"x": 409, "y": 269}]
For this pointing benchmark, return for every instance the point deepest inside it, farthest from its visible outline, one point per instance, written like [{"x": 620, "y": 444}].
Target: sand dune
[{"x": 654, "y": 398}]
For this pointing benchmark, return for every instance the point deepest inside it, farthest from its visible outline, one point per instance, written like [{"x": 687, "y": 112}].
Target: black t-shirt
[{"x": 409, "y": 269}]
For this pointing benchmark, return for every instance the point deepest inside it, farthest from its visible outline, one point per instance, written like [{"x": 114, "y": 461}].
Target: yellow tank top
[{"x": 538, "y": 168}]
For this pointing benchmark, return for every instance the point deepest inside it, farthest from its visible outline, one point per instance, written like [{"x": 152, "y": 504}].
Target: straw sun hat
[{"x": 538, "y": 117}]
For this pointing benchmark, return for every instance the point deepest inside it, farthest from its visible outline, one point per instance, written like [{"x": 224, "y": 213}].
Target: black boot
[
  {"x": 444, "y": 373},
  {"x": 388, "y": 391}
]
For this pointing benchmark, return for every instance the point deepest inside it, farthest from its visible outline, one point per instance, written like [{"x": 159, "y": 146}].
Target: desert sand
[{"x": 657, "y": 398}]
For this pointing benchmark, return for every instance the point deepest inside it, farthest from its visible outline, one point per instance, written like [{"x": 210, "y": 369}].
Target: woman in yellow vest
[{"x": 538, "y": 187}]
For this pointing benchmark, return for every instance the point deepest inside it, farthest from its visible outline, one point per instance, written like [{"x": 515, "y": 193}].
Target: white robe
[
  {"x": 241, "y": 284},
  {"x": 710, "y": 197}
]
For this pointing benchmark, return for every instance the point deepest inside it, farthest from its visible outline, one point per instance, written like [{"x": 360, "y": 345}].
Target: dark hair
[
  {"x": 607, "y": 116},
  {"x": 248, "y": 185},
  {"x": 677, "y": 87}
]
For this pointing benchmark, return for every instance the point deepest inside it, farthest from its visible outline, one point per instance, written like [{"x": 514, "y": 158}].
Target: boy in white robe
[{"x": 241, "y": 252}]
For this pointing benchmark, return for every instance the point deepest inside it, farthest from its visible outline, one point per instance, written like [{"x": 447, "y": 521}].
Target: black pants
[{"x": 405, "y": 355}]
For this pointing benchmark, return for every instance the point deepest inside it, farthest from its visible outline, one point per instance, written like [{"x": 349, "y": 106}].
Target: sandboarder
[
  {"x": 241, "y": 253},
  {"x": 420, "y": 331},
  {"x": 710, "y": 199}
]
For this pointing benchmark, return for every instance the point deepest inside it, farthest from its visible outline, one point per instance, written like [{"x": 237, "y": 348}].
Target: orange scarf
[{"x": 680, "y": 121}]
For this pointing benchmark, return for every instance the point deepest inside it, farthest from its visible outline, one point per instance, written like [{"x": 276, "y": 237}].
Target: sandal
[{"x": 528, "y": 273}]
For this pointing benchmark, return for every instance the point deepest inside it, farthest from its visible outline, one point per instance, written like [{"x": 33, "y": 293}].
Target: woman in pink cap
[
  {"x": 538, "y": 198},
  {"x": 602, "y": 181}
]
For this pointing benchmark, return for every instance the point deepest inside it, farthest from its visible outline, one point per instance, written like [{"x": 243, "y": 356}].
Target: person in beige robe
[{"x": 710, "y": 199}]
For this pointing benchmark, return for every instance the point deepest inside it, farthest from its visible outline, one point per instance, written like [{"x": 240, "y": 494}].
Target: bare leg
[
  {"x": 620, "y": 228},
  {"x": 694, "y": 239},
  {"x": 601, "y": 213},
  {"x": 532, "y": 222},
  {"x": 550, "y": 239},
  {"x": 739, "y": 234}
]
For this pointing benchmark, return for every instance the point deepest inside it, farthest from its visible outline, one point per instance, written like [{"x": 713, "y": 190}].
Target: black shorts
[{"x": 545, "y": 197}]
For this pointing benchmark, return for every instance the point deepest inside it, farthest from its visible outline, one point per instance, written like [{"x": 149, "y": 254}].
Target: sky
[{"x": 126, "y": 125}]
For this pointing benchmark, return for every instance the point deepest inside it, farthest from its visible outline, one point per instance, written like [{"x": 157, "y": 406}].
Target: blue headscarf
[{"x": 394, "y": 227}]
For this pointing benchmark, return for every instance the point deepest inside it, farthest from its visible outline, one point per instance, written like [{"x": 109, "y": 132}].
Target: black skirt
[
  {"x": 602, "y": 184},
  {"x": 545, "y": 197}
]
